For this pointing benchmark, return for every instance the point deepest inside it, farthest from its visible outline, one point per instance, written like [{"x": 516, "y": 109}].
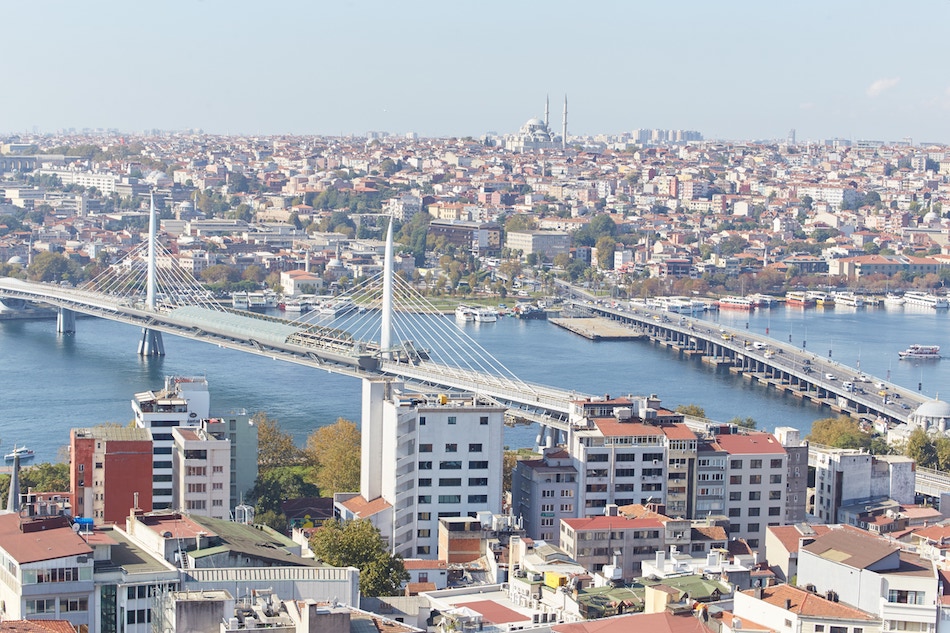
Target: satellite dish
[{"x": 75, "y": 527}]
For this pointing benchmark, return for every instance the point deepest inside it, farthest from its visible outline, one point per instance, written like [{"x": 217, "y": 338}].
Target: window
[
  {"x": 547, "y": 493},
  {"x": 197, "y": 488},
  {"x": 451, "y": 465},
  {"x": 775, "y": 495},
  {"x": 775, "y": 479},
  {"x": 598, "y": 457},
  {"x": 776, "y": 463},
  {"x": 735, "y": 480},
  {"x": 900, "y": 596},
  {"x": 755, "y": 495},
  {"x": 82, "y": 467},
  {"x": 450, "y": 498},
  {"x": 478, "y": 498},
  {"x": 754, "y": 512},
  {"x": 483, "y": 420},
  {"x": 734, "y": 528},
  {"x": 478, "y": 481},
  {"x": 476, "y": 465},
  {"x": 425, "y": 465},
  {"x": 755, "y": 479},
  {"x": 217, "y": 503},
  {"x": 547, "y": 507},
  {"x": 422, "y": 420},
  {"x": 567, "y": 493},
  {"x": 424, "y": 516},
  {"x": 735, "y": 496},
  {"x": 735, "y": 512},
  {"x": 196, "y": 471},
  {"x": 217, "y": 486},
  {"x": 474, "y": 448},
  {"x": 547, "y": 522},
  {"x": 753, "y": 542},
  {"x": 775, "y": 511},
  {"x": 567, "y": 507},
  {"x": 626, "y": 457},
  {"x": 423, "y": 533},
  {"x": 451, "y": 448},
  {"x": 755, "y": 463},
  {"x": 423, "y": 550},
  {"x": 450, "y": 481},
  {"x": 625, "y": 472},
  {"x": 425, "y": 499},
  {"x": 425, "y": 448},
  {"x": 425, "y": 483},
  {"x": 452, "y": 419},
  {"x": 839, "y": 629},
  {"x": 196, "y": 504},
  {"x": 74, "y": 604},
  {"x": 753, "y": 527},
  {"x": 735, "y": 464}
]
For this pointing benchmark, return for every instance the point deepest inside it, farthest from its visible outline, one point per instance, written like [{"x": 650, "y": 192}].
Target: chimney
[
  {"x": 757, "y": 592},
  {"x": 788, "y": 604}
]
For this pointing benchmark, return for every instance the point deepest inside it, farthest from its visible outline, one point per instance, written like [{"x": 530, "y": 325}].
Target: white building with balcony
[{"x": 201, "y": 472}]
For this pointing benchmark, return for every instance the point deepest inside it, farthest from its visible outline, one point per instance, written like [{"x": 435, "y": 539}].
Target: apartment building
[
  {"x": 425, "y": 457},
  {"x": 110, "y": 471},
  {"x": 201, "y": 473},
  {"x": 183, "y": 402},
  {"x": 844, "y": 477},
  {"x": 613, "y": 541},
  {"x": 544, "y": 491}
]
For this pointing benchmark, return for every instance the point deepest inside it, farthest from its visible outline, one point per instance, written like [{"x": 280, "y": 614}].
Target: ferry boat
[
  {"x": 849, "y": 299},
  {"x": 801, "y": 299},
  {"x": 485, "y": 315},
  {"x": 464, "y": 314},
  {"x": 240, "y": 301},
  {"x": 891, "y": 299},
  {"x": 921, "y": 352},
  {"x": 736, "y": 303},
  {"x": 338, "y": 307},
  {"x": 261, "y": 300},
  {"x": 297, "y": 306},
  {"x": 821, "y": 298},
  {"x": 925, "y": 299},
  {"x": 22, "y": 452},
  {"x": 763, "y": 300}
]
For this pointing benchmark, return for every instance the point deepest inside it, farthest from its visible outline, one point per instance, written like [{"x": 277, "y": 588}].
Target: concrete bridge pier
[
  {"x": 65, "y": 321},
  {"x": 151, "y": 343}
]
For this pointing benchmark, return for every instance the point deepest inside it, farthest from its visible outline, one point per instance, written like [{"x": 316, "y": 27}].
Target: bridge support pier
[
  {"x": 66, "y": 321},
  {"x": 151, "y": 343}
]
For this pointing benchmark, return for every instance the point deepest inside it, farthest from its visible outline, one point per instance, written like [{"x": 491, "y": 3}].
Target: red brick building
[{"x": 108, "y": 467}]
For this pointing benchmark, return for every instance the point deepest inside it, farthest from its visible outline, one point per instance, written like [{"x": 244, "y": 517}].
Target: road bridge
[{"x": 782, "y": 366}]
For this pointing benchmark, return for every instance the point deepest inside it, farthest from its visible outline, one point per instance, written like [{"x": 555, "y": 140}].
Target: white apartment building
[
  {"x": 184, "y": 402},
  {"x": 103, "y": 182},
  {"x": 844, "y": 477},
  {"x": 424, "y": 457},
  {"x": 201, "y": 473}
]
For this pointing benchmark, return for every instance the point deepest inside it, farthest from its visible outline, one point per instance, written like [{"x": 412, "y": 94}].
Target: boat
[
  {"x": 530, "y": 311},
  {"x": 338, "y": 307},
  {"x": 240, "y": 301},
  {"x": 921, "y": 352},
  {"x": 22, "y": 452},
  {"x": 891, "y": 299},
  {"x": 925, "y": 299},
  {"x": 464, "y": 314},
  {"x": 849, "y": 299},
  {"x": 821, "y": 298},
  {"x": 297, "y": 306},
  {"x": 261, "y": 300},
  {"x": 736, "y": 303},
  {"x": 763, "y": 300},
  {"x": 485, "y": 315},
  {"x": 801, "y": 299}
]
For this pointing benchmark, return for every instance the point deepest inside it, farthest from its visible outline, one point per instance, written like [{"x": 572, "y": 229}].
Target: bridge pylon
[
  {"x": 66, "y": 321},
  {"x": 151, "y": 343}
]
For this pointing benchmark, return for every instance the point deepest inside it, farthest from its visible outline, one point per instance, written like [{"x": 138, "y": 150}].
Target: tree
[
  {"x": 275, "y": 447},
  {"x": 693, "y": 410},
  {"x": 334, "y": 452},
  {"x": 840, "y": 432},
  {"x": 606, "y": 246},
  {"x": 745, "y": 423},
  {"x": 50, "y": 266},
  {"x": 357, "y": 543},
  {"x": 921, "y": 449}
]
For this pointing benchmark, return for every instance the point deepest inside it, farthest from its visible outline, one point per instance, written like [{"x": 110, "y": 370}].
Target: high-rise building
[
  {"x": 110, "y": 472},
  {"x": 183, "y": 402},
  {"x": 201, "y": 473},
  {"x": 240, "y": 429},
  {"x": 425, "y": 457}
]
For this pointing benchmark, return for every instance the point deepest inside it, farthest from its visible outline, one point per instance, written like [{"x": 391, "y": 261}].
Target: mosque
[{"x": 537, "y": 135}]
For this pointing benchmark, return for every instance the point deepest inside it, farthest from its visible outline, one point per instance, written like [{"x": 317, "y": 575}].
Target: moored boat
[
  {"x": 338, "y": 307},
  {"x": 464, "y": 314},
  {"x": 849, "y": 299},
  {"x": 893, "y": 300},
  {"x": 801, "y": 299},
  {"x": 925, "y": 299},
  {"x": 736, "y": 303},
  {"x": 485, "y": 315},
  {"x": 22, "y": 452},
  {"x": 921, "y": 352}
]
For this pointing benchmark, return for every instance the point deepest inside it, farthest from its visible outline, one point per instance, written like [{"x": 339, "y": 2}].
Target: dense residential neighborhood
[{"x": 638, "y": 516}]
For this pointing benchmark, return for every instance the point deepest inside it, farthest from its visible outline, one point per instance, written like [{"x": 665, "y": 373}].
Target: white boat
[
  {"x": 849, "y": 299},
  {"x": 22, "y": 452},
  {"x": 240, "y": 301},
  {"x": 464, "y": 314},
  {"x": 737, "y": 303},
  {"x": 338, "y": 307},
  {"x": 485, "y": 315},
  {"x": 925, "y": 299},
  {"x": 893, "y": 300},
  {"x": 297, "y": 306},
  {"x": 821, "y": 298},
  {"x": 261, "y": 300},
  {"x": 763, "y": 300},
  {"x": 921, "y": 352}
]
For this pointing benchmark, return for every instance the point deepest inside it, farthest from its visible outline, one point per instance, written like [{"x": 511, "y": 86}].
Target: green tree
[
  {"x": 921, "y": 449},
  {"x": 275, "y": 447},
  {"x": 357, "y": 543},
  {"x": 693, "y": 410},
  {"x": 276, "y": 485},
  {"x": 334, "y": 452},
  {"x": 606, "y": 246},
  {"x": 253, "y": 273},
  {"x": 745, "y": 423},
  {"x": 50, "y": 266},
  {"x": 840, "y": 432}
]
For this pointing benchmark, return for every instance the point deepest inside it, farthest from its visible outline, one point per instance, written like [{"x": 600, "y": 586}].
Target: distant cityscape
[{"x": 645, "y": 515}]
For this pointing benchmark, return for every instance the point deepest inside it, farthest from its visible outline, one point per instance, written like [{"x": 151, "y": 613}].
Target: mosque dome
[
  {"x": 16, "y": 260},
  {"x": 930, "y": 217},
  {"x": 933, "y": 409}
]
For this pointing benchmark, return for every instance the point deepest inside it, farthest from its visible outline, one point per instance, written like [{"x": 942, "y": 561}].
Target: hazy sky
[{"x": 734, "y": 70}]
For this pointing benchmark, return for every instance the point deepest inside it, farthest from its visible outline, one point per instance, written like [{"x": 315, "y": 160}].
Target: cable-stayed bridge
[{"x": 382, "y": 327}]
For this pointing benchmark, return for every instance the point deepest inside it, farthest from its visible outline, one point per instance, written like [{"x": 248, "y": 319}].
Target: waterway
[{"x": 50, "y": 383}]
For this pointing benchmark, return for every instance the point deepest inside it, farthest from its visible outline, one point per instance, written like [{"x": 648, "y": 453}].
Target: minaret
[
  {"x": 564, "y": 126},
  {"x": 547, "y": 112},
  {"x": 13, "y": 499}
]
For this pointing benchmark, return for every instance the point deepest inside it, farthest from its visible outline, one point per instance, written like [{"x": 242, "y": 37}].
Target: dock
[{"x": 598, "y": 328}]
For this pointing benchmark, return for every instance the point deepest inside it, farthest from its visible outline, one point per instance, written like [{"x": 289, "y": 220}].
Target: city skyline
[{"x": 754, "y": 71}]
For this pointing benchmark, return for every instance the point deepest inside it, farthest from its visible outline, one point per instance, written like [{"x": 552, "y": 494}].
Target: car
[
  {"x": 807, "y": 361},
  {"x": 830, "y": 377},
  {"x": 904, "y": 405}
]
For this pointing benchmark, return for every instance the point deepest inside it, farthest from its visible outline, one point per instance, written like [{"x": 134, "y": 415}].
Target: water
[{"x": 50, "y": 383}]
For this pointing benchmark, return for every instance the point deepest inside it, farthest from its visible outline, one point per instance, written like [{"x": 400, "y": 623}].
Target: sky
[{"x": 738, "y": 70}]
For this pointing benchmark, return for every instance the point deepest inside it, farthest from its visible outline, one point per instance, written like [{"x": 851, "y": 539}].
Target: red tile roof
[
  {"x": 32, "y": 547},
  {"x": 751, "y": 444},
  {"x": 605, "y": 522},
  {"x": 610, "y": 427},
  {"x": 363, "y": 508},
  {"x": 653, "y": 622}
]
